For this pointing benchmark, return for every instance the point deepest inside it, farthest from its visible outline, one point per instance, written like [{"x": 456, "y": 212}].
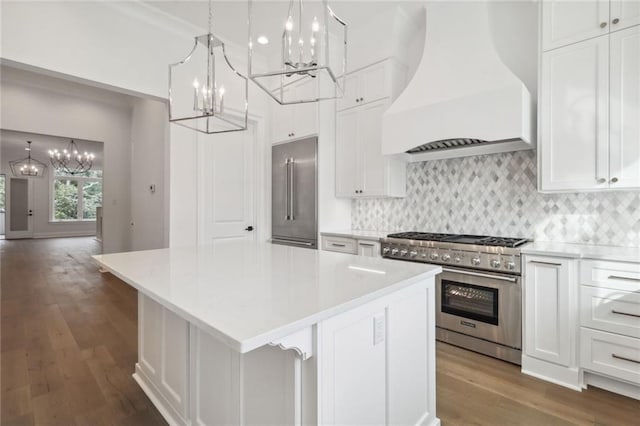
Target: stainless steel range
[{"x": 479, "y": 295}]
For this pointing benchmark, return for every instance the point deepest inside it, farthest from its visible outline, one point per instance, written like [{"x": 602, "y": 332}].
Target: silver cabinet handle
[
  {"x": 292, "y": 196},
  {"x": 618, "y": 277},
  {"x": 300, "y": 243},
  {"x": 602, "y": 180},
  {"x": 338, "y": 245},
  {"x": 615, "y": 21},
  {"x": 614, "y": 180},
  {"x": 613, "y": 311},
  {"x": 624, "y": 358},
  {"x": 603, "y": 24},
  {"x": 478, "y": 274},
  {"x": 367, "y": 244},
  {"x": 545, "y": 263}
]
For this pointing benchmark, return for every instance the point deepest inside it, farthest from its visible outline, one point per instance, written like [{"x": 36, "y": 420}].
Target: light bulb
[
  {"x": 196, "y": 83},
  {"x": 315, "y": 25},
  {"x": 263, "y": 40},
  {"x": 300, "y": 42},
  {"x": 221, "y": 91},
  {"x": 289, "y": 25}
]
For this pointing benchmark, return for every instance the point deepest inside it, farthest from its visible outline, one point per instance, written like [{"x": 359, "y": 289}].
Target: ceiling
[{"x": 13, "y": 144}]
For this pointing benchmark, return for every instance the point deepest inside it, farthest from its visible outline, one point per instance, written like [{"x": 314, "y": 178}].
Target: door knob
[
  {"x": 614, "y": 179},
  {"x": 249, "y": 228},
  {"x": 615, "y": 21}
]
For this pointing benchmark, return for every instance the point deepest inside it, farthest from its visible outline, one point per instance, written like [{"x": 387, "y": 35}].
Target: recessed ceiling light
[{"x": 263, "y": 39}]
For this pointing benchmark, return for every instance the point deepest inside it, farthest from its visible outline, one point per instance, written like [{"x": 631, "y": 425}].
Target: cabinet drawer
[
  {"x": 610, "y": 310},
  {"x": 613, "y": 275},
  {"x": 611, "y": 354},
  {"x": 340, "y": 244}
]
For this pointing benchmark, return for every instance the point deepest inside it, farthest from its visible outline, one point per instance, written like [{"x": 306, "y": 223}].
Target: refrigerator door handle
[
  {"x": 286, "y": 190},
  {"x": 292, "y": 198}
]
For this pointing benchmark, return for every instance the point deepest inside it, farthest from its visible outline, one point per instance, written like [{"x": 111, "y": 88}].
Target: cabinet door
[
  {"x": 566, "y": 21},
  {"x": 350, "y": 96},
  {"x": 347, "y": 156},
  {"x": 574, "y": 114},
  {"x": 548, "y": 311},
  {"x": 305, "y": 116},
  {"x": 370, "y": 146},
  {"x": 624, "y": 14},
  {"x": 373, "y": 83},
  {"x": 625, "y": 109},
  {"x": 368, "y": 248},
  {"x": 282, "y": 126}
]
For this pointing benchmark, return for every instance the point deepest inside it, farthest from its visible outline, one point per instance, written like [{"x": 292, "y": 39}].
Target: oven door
[{"x": 483, "y": 305}]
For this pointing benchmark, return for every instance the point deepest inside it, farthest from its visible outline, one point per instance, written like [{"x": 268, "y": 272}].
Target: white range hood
[{"x": 462, "y": 100}]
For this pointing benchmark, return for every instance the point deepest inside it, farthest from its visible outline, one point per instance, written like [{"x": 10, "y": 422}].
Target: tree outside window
[{"x": 76, "y": 197}]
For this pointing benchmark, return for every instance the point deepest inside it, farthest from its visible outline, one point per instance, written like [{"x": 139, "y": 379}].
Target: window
[{"x": 75, "y": 198}]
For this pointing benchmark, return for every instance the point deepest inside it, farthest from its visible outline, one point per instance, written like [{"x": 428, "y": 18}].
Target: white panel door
[
  {"x": 227, "y": 186},
  {"x": 575, "y": 116},
  {"x": 370, "y": 138},
  {"x": 624, "y": 14},
  {"x": 347, "y": 156},
  {"x": 19, "y": 210},
  {"x": 625, "y": 109},
  {"x": 305, "y": 116},
  {"x": 569, "y": 21},
  {"x": 547, "y": 319},
  {"x": 282, "y": 126},
  {"x": 373, "y": 83},
  {"x": 350, "y": 96}
]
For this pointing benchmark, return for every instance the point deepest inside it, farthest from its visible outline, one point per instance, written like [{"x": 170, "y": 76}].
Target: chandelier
[
  {"x": 206, "y": 93},
  {"x": 71, "y": 161},
  {"x": 28, "y": 167},
  {"x": 313, "y": 51}
]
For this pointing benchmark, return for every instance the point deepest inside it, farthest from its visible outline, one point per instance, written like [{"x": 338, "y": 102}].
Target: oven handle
[{"x": 478, "y": 274}]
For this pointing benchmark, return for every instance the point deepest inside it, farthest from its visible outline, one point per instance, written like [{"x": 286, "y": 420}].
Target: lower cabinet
[{"x": 361, "y": 247}]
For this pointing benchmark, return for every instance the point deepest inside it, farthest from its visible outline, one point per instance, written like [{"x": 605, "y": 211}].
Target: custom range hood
[{"x": 462, "y": 100}]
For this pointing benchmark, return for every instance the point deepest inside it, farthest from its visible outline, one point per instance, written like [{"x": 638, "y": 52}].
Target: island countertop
[{"x": 248, "y": 294}]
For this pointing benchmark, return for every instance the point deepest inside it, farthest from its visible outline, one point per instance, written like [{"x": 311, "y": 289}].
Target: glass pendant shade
[
  {"x": 206, "y": 93},
  {"x": 28, "y": 167},
  {"x": 306, "y": 58}
]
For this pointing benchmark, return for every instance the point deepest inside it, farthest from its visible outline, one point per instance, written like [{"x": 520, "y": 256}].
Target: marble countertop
[
  {"x": 583, "y": 251},
  {"x": 362, "y": 235},
  {"x": 248, "y": 294}
]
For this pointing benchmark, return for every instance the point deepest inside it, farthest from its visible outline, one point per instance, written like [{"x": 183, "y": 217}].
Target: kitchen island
[{"x": 253, "y": 333}]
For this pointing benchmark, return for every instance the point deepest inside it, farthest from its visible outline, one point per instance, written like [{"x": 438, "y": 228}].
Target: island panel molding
[{"x": 496, "y": 195}]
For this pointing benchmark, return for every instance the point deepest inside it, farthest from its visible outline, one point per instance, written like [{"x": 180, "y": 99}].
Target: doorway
[{"x": 19, "y": 208}]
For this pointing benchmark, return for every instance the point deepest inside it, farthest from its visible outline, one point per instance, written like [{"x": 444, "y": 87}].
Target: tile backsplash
[{"x": 496, "y": 195}]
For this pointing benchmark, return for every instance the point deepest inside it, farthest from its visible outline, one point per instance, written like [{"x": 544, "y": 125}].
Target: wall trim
[{"x": 64, "y": 234}]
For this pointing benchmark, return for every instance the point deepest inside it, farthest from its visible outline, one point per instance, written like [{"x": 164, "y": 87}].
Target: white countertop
[
  {"x": 362, "y": 235},
  {"x": 583, "y": 251},
  {"x": 248, "y": 294}
]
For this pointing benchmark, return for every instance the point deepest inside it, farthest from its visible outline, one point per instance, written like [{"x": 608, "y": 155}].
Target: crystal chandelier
[
  {"x": 28, "y": 167},
  {"x": 71, "y": 161},
  {"x": 313, "y": 50},
  {"x": 206, "y": 93}
]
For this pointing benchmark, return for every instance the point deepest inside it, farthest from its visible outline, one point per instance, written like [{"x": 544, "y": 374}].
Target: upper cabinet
[
  {"x": 589, "y": 106},
  {"x": 567, "y": 21},
  {"x": 361, "y": 169},
  {"x": 295, "y": 121}
]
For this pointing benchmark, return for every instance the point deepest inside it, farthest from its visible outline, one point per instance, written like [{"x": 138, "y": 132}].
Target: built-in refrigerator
[{"x": 294, "y": 195}]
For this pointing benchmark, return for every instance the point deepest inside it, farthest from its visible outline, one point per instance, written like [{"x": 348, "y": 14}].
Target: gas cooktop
[{"x": 479, "y": 240}]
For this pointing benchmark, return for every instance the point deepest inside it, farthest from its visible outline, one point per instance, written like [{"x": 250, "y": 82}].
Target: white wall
[
  {"x": 149, "y": 127},
  {"x": 38, "y": 104}
]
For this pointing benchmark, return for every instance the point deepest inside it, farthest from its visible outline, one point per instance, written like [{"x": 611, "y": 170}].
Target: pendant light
[
  {"x": 206, "y": 93},
  {"x": 311, "y": 56},
  {"x": 71, "y": 161},
  {"x": 28, "y": 167}
]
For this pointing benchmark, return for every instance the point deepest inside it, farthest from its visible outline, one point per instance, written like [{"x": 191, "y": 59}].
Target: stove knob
[
  {"x": 457, "y": 259},
  {"x": 394, "y": 251},
  {"x": 403, "y": 252},
  {"x": 495, "y": 263},
  {"x": 386, "y": 250},
  {"x": 511, "y": 266},
  {"x": 475, "y": 261},
  {"x": 446, "y": 257},
  {"x": 413, "y": 253},
  {"x": 433, "y": 256}
]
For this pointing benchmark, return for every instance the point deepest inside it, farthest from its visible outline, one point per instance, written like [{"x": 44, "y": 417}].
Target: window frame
[{"x": 81, "y": 180}]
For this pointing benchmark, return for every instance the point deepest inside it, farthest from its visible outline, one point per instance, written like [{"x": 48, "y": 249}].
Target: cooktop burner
[{"x": 480, "y": 240}]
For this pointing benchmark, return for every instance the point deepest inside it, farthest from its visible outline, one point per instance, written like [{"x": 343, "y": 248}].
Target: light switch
[{"x": 379, "y": 328}]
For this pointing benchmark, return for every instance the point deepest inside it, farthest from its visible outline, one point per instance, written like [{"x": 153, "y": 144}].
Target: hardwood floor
[{"x": 69, "y": 344}]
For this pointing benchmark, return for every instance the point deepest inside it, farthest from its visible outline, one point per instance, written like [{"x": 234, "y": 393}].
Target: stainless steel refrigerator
[{"x": 294, "y": 195}]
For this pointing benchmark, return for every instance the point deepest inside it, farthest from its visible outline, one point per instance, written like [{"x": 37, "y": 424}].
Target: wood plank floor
[{"x": 68, "y": 348}]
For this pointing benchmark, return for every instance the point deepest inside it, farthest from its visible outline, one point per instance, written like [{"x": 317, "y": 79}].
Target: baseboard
[
  {"x": 169, "y": 414},
  {"x": 612, "y": 385},
  {"x": 64, "y": 234},
  {"x": 549, "y": 372}
]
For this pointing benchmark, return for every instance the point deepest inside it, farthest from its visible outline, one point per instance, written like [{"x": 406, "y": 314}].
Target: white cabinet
[
  {"x": 361, "y": 169},
  {"x": 590, "y": 114},
  {"x": 370, "y": 84},
  {"x": 295, "y": 121},
  {"x": 368, "y": 248},
  {"x": 163, "y": 357},
  {"x": 549, "y": 306},
  {"x": 568, "y": 21},
  {"x": 361, "y": 247}
]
